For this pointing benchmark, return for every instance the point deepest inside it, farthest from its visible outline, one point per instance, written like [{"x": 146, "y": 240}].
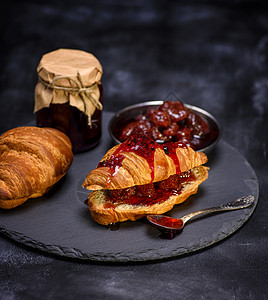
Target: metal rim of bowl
[{"x": 158, "y": 103}]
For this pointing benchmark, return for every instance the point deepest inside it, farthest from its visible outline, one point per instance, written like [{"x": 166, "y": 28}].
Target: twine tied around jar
[{"x": 84, "y": 92}]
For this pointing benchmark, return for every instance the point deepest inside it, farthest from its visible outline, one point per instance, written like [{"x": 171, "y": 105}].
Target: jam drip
[
  {"x": 144, "y": 147},
  {"x": 152, "y": 193},
  {"x": 170, "y": 150}
]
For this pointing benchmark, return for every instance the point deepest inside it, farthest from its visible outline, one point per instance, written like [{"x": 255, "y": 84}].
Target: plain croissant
[
  {"x": 32, "y": 160},
  {"x": 142, "y": 165}
]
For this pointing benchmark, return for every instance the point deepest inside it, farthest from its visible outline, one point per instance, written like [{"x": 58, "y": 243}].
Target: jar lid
[
  {"x": 67, "y": 62},
  {"x": 69, "y": 75}
]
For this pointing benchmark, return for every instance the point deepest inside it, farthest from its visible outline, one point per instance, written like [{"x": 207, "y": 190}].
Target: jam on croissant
[
  {"x": 141, "y": 177},
  {"x": 151, "y": 193}
]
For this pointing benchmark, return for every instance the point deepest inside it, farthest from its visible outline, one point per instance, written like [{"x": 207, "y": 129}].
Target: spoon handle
[{"x": 242, "y": 202}]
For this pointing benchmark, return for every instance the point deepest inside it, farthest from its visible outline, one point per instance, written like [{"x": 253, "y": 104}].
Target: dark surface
[
  {"x": 210, "y": 54},
  {"x": 58, "y": 222}
]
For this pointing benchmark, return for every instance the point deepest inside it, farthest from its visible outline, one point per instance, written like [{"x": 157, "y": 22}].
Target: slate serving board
[{"x": 60, "y": 223}]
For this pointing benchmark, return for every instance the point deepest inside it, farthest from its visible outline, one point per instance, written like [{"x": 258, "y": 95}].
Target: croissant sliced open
[{"x": 132, "y": 178}]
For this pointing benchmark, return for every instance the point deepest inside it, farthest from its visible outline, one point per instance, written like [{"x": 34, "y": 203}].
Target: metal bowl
[{"x": 129, "y": 113}]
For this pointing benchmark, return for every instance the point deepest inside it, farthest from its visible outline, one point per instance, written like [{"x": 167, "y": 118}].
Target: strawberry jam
[
  {"x": 144, "y": 147},
  {"x": 176, "y": 224},
  {"x": 170, "y": 122},
  {"x": 151, "y": 194}
]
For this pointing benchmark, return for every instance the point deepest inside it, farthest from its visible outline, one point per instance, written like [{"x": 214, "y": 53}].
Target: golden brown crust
[
  {"x": 122, "y": 212},
  {"x": 32, "y": 159},
  {"x": 135, "y": 169}
]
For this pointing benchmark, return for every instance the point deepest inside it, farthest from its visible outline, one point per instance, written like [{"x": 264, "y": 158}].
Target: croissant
[
  {"x": 32, "y": 160},
  {"x": 140, "y": 177}
]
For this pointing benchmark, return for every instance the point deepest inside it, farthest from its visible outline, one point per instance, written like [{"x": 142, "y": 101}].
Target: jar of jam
[{"x": 69, "y": 96}]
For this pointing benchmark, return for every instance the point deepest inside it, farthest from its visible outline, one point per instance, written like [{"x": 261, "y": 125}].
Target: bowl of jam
[{"x": 167, "y": 121}]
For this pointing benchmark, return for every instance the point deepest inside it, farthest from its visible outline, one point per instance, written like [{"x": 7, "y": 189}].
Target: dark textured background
[{"x": 212, "y": 54}]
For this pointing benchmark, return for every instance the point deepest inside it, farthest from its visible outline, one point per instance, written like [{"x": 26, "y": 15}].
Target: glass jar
[
  {"x": 74, "y": 123},
  {"x": 69, "y": 96}
]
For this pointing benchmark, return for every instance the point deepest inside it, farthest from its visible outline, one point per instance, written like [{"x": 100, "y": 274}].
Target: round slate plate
[{"x": 60, "y": 222}]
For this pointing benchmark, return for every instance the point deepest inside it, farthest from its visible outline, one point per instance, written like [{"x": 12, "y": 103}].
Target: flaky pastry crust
[
  {"x": 138, "y": 162},
  {"x": 135, "y": 169},
  {"x": 32, "y": 160},
  {"x": 123, "y": 212}
]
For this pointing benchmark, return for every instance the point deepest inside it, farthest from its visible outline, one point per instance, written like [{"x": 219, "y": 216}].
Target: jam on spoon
[{"x": 170, "y": 227}]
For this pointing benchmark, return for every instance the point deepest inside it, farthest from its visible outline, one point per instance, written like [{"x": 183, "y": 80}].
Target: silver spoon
[{"x": 173, "y": 225}]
